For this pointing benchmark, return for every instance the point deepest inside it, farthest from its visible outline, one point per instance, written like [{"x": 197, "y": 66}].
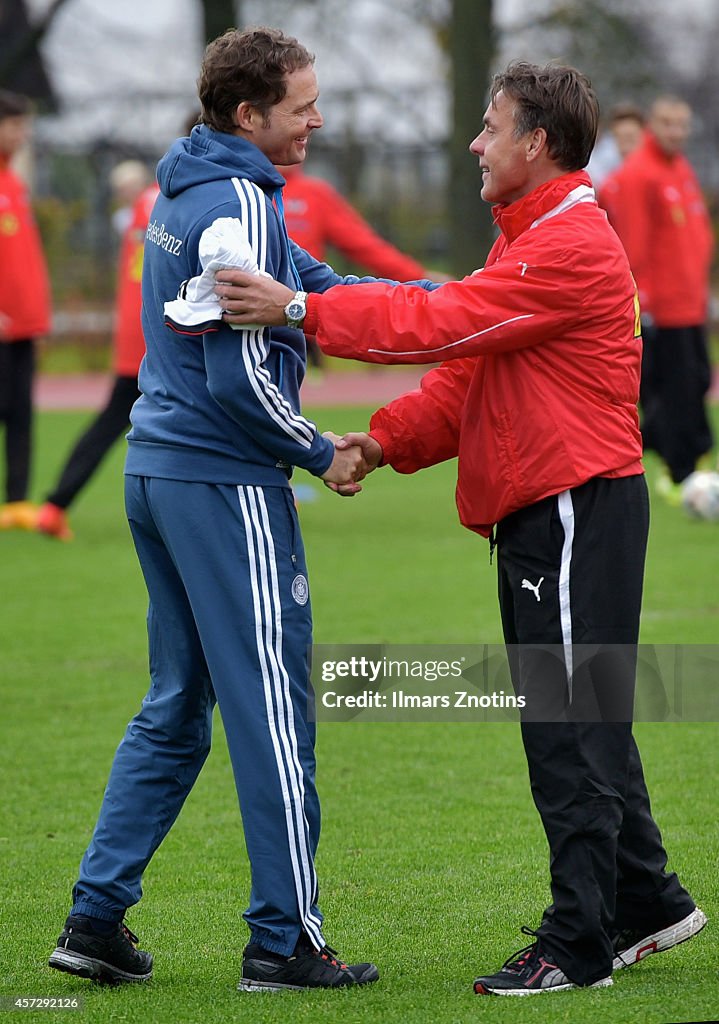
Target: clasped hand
[{"x": 356, "y": 455}]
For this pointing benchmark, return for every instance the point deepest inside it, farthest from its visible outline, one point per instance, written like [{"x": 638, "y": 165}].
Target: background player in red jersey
[
  {"x": 655, "y": 205},
  {"x": 24, "y": 313},
  {"x": 131, "y": 181},
  {"x": 318, "y": 218}
]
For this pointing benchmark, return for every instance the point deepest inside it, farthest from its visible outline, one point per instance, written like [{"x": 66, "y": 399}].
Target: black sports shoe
[
  {"x": 631, "y": 946},
  {"x": 526, "y": 973},
  {"x": 107, "y": 959},
  {"x": 308, "y": 967}
]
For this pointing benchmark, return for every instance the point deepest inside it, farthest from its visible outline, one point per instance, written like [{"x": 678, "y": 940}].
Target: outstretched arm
[{"x": 509, "y": 305}]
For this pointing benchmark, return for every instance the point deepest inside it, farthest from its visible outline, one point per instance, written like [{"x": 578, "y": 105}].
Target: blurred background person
[
  {"x": 623, "y": 133},
  {"x": 24, "y": 312},
  {"x": 127, "y": 180},
  {"x": 626, "y": 125},
  {"x": 133, "y": 188},
  {"x": 655, "y": 205},
  {"x": 318, "y": 217}
]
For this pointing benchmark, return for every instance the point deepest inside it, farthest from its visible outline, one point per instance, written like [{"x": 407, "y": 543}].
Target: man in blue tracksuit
[{"x": 213, "y": 440}]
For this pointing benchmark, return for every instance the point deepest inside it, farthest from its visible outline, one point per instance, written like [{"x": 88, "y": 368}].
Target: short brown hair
[
  {"x": 12, "y": 104},
  {"x": 248, "y": 66},
  {"x": 559, "y": 99},
  {"x": 626, "y": 111}
]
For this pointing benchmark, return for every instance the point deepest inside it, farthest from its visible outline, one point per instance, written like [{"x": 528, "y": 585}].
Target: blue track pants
[{"x": 229, "y": 621}]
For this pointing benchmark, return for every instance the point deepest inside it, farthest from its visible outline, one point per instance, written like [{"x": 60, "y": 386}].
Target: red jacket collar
[{"x": 513, "y": 219}]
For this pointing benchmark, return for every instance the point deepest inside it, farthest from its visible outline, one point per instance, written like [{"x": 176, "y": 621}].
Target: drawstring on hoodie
[{"x": 280, "y": 208}]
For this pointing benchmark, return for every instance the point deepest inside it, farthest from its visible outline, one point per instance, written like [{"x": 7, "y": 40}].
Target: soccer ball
[{"x": 700, "y": 495}]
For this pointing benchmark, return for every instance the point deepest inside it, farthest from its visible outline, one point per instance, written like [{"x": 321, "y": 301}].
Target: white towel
[{"x": 223, "y": 246}]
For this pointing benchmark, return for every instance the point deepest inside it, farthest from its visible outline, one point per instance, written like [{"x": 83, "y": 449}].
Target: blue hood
[
  {"x": 213, "y": 156},
  {"x": 223, "y": 407}
]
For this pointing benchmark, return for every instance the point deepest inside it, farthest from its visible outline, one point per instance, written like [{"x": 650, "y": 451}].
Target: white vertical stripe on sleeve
[{"x": 254, "y": 347}]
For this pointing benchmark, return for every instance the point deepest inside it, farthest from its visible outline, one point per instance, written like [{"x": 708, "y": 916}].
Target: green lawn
[{"x": 432, "y": 855}]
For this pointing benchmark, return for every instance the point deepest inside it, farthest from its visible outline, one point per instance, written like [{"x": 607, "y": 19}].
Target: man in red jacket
[
  {"x": 113, "y": 419},
  {"x": 537, "y": 396},
  {"x": 656, "y": 207},
  {"x": 24, "y": 313}
]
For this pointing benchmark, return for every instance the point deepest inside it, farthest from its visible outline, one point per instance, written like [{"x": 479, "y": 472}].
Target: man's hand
[
  {"x": 347, "y": 467},
  {"x": 371, "y": 451},
  {"x": 249, "y": 299}
]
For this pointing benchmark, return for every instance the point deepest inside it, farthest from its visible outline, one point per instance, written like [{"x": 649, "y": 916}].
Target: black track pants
[
  {"x": 91, "y": 448},
  {"x": 570, "y": 581},
  {"x": 17, "y": 369},
  {"x": 676, "y": 376}
]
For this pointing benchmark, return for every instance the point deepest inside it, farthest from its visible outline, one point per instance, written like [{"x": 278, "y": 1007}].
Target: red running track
[
  {"x": 361, "y": 387},
  {"x": 352, "y": 387}
]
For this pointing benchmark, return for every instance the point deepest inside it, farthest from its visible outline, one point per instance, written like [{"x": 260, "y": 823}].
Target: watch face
[{"x": 296, "y": 311}]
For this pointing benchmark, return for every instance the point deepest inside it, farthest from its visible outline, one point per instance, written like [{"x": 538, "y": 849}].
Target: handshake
[{"x": 355, "y": 456}]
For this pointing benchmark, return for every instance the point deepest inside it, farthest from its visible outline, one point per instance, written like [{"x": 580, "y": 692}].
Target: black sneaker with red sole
[
  {"x": 108, "y": 959},
  {"x": 263, "y": 971}
]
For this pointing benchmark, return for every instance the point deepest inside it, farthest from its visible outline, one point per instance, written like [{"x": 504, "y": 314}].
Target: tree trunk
[
  {"x": 21, "y": 64},
  {"x": 220, "y": 15},
  {"x": 471, "y": 52}
]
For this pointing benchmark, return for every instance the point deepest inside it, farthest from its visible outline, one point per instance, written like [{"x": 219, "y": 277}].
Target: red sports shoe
[{"x": 52, "y": 521}]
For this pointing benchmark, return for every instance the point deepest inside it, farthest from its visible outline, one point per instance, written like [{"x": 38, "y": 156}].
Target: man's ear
[
  {"x": 536, "y": 143},
  {"x": 246, "y": 116}
]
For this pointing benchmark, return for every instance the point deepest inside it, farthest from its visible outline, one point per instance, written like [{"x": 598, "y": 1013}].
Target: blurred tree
[
  {"x": 633, "y": 52},
  {"x": 615, "y": 43},
  {"x": 21, "y": 65},
  {"x": 471, "y": 49},
  {"x": 220, "y": 15}
]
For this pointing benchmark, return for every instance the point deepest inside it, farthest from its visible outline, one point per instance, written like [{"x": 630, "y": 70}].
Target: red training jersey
[
  {"x": 655, "y": 205},
  {"x": 24, "y": 282},
  {"x": 317, "y": 216},
  {"x": 128, "y": 340}
]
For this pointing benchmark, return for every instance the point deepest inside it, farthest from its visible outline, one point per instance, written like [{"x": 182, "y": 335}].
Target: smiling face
[
  {"x": 504, "y": 159},
  {"x": 284, "y": 132}
]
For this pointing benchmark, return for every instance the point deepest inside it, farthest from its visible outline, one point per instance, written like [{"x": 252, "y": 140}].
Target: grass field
[{"x": 432, "y": 855}]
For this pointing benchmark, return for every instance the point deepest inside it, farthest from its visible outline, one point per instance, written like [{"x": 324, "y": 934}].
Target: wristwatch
[{"x": 296, "y": 309}]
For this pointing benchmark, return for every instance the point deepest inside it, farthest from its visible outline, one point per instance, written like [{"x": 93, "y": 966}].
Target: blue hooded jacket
[{"x": 223, "y": 407}]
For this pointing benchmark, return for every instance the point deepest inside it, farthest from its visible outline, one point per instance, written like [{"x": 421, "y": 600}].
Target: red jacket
[
  {"x": 317, "y": 216},
  {"x": 128, "y": 340},
  {"x": 655, "y": 205},
  {"x": 539, "y": 393},
  {"x": 24, "y": 284}
]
